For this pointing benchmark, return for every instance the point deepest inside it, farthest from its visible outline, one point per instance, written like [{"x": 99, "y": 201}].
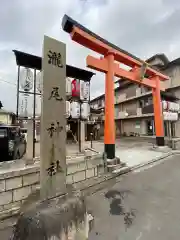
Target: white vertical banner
[{"x": 53, "y": 119}]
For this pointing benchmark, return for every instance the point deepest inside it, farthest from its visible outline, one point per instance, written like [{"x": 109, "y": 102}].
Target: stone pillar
[
  {"x": 29, "y": 149},
  {"x": 53, "y": 120}
]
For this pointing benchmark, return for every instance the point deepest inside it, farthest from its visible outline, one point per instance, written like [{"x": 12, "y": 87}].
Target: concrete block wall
[
  {"x": 84, "y": 169},
  {"x": 17, "y": 184}
]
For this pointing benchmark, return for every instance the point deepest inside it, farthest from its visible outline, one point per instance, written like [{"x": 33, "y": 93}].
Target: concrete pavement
[
  {"x": 131, "y": 151},
  {"x": 143, "y": 205},
  {"x": 135, "y": 152}
]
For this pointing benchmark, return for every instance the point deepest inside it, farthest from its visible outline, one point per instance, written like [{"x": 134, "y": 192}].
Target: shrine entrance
[{"x": 109, "y": 63}]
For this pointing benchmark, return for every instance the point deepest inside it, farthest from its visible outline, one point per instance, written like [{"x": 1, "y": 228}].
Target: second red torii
[{"x": 108, "y": 64}]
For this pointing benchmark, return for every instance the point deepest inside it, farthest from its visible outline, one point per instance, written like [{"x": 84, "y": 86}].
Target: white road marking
[
  {"x": 139, "y": 236},
  {"x": 140, "y": 169}
]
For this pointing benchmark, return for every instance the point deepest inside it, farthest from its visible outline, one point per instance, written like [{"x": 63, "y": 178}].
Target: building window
[
  {"x": 141, "y": 103},
  {"x": 145, "y": 89},
  {"x": 150, "y": 127},
  {"x": 145, "y": 102},
  {"x": 100, "y": 103},
  {"x": 150, "y": 100}
]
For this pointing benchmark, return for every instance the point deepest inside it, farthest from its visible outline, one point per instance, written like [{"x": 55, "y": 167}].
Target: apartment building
[{"x": 134, "y": 114}]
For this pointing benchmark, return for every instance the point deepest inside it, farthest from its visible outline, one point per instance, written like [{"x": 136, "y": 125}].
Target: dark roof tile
[{"x": 31, "y": 61}]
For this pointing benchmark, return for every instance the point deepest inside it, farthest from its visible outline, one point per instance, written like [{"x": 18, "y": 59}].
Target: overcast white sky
[{"x": 141, "y": 27}]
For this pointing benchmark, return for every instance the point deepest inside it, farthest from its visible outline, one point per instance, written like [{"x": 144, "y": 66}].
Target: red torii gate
[{"x": 108, "y": 65}]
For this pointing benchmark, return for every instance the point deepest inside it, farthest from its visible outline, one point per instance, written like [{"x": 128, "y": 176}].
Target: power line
[{"x": 1, "y": 80}]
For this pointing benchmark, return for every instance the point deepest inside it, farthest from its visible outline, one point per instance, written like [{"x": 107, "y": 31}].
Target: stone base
[
  {"x": 114, "y": 164},
  {"x": 160, "y": 141},
  {"x": 113, "y": 161},
  {"x": 109, "y": 149},
  {"x": 57, "y": 218},
  {"x": 161, "y": 148}
]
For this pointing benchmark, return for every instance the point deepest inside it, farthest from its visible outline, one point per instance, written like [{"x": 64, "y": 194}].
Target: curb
[
  {"x": 101, "y": 180},
  {"x": 155, "y": 160},
  {"x": 131, "y": 169}
]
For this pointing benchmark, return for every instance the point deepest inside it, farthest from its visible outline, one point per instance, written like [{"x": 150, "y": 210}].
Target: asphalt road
[{"x": 143, "y": 205}]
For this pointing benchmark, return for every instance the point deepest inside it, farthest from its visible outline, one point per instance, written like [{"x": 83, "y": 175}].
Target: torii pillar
[
  {"x": 158, "y": 113},
  {"x": 109, "y": 64},
  {"x": 109, "y": 127}
]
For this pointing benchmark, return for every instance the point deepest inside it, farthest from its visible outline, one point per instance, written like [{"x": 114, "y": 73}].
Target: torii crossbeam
[{"x": 110, "y": 65}]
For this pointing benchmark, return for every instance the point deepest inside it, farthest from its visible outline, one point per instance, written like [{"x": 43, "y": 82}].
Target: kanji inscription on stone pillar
[{"x": 53, "y": 119}]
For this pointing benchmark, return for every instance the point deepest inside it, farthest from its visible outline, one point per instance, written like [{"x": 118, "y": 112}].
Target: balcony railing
[
  {"x": 121, "y": 114},
  {"x": 131, "y": 112},
  {"x": 148, "y": 109},
  {"x": 138, "y": 92},
  {"x": 120, "y": 98}
]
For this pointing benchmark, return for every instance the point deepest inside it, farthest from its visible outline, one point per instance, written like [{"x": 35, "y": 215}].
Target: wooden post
[
  {"x": 158, "y": 117},
  {"x": 53, "y": 119},
  {"x": 109, "y": 129},
  {"x": 29, "y": 153},
  {"x": 82, "y": 137}
]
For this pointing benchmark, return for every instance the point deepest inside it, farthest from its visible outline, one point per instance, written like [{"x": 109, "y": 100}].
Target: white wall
[
  {"x": 174, "y": 74},
  {"x": 156, "y": 61},
  {"x": 5, "y": 118},
  {"x": 130, "y": 126}
]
